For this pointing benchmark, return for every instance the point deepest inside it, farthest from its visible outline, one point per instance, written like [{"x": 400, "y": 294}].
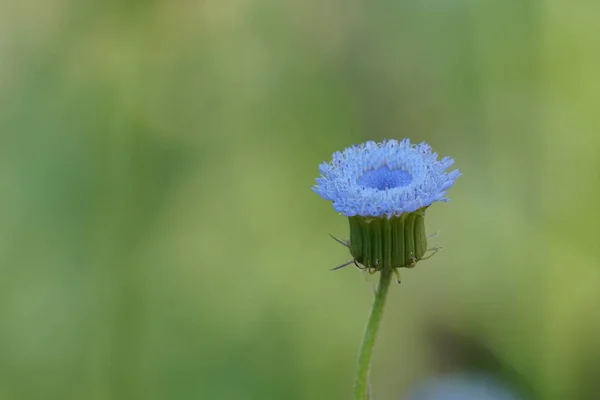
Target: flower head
[{"x": 385, "y": 179}]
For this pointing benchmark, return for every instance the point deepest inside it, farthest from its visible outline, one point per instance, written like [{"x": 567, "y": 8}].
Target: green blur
[{"x": 159, "y": 238}]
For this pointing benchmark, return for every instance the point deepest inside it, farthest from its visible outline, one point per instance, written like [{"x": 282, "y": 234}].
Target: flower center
[{"x": 385, "y": 178}]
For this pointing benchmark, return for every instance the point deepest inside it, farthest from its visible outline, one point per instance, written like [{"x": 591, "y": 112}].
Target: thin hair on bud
[
  {"x": 362, "y": 268},
  {"x": 342, "y": 242},
  {"x": 397, "y": 273},
  {"x": 433, "y": 250},
  {"x": 432, "y": 235},
  {"x": 342, "y": 266}
]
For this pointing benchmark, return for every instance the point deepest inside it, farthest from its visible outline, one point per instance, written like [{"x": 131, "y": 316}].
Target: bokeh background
[{"x": 159, "y": 238}]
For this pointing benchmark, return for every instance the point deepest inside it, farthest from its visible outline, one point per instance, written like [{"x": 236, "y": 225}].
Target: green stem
[{"x": 361, "y": 384}]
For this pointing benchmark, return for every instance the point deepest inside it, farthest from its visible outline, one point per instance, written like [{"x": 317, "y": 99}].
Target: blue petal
[{"x": 384, "y": 179}]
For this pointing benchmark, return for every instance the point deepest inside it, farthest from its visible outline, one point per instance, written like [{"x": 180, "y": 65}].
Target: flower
[
  {"x": 461, "y": 386},
  {"x": 384, "y": 189},
  {"x": 384, "y": 179}
]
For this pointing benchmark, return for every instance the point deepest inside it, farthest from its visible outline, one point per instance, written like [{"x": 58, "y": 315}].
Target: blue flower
[
  {"x": 385, "y": 179},
  {"x": 459, "y": 387}
]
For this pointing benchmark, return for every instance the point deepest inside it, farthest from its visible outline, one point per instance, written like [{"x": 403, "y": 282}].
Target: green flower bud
[{"x": 388, "y": 243}]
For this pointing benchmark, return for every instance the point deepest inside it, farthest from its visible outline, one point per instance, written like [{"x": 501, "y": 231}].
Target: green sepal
[{"x": 382, "y": 243}]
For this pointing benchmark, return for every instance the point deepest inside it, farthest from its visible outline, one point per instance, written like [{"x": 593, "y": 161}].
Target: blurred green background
[{"x": 159, "y": 238}]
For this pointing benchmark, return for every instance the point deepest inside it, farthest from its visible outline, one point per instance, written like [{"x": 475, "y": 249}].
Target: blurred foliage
[{"x": 158, "y": 235}]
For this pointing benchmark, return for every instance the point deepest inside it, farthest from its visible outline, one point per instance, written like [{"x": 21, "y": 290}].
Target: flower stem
[{"x": 361, "y": 384}]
